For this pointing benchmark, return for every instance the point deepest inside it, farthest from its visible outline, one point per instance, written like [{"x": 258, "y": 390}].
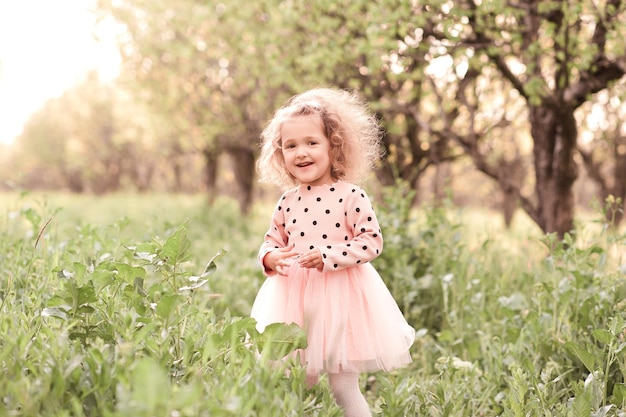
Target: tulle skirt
[{"x": 351, "y": 320}]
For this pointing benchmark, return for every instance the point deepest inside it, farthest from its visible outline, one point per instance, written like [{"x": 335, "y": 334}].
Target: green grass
[{"x": 137, "y": 305}]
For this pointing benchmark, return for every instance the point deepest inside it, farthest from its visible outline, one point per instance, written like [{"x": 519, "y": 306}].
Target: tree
[
  {"x": 81, "y": 141},
  {"x": 407, "y": 76},
  {"x": 555, "y": 54},
  {"x": 212, "y": 70},
  {"x": 41, "y": 150},
  {"x": 362, "y": 46}
]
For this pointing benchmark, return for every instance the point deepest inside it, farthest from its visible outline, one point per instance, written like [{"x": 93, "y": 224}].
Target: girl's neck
[{"x": 324, "y": 184}]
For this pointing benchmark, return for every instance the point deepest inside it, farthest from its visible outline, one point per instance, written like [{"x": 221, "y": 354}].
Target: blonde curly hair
[{"x": 354, "y": 134}]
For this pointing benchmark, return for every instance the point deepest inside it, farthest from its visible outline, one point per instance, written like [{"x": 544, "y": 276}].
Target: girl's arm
[
  {"x": 275, "y": 250},
  {"x": 367, "y": 241}
]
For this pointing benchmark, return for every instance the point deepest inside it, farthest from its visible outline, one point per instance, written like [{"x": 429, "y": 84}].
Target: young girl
[{"x": 322, "y": 235}]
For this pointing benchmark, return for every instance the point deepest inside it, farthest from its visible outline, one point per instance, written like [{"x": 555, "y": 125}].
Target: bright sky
[{"x": 45, "y": 47}]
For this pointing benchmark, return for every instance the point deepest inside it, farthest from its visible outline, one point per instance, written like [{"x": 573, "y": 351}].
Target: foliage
[
  {"x": 93, "y": 326},
  {"x": 130, "y": 316},
  {"x": 466, "y": 80}
]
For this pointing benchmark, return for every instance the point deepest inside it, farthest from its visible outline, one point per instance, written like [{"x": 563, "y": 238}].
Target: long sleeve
[
  {"x": 276, "y": 237},
  {"x": 365, "y": 240}
]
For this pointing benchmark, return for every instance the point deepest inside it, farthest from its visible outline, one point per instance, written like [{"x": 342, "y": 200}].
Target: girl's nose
[{"x": 301, "y": 151}]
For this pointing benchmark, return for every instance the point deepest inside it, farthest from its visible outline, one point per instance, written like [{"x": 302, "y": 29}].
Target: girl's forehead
[
  {"x": 300, "y": 126},
  {"x": 302, "y": 120}
]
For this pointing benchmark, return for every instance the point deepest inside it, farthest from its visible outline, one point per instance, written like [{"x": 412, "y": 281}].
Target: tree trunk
[
  {"x": 244, "y": 169},
  {"x": 554, "y": 136},
  {"x": 211, "y": 157}
]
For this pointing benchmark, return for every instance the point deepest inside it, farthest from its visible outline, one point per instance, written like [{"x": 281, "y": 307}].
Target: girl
[{"x": 322, "y": 235}]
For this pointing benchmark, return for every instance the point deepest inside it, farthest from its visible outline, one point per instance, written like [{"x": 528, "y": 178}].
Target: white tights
[{"x": 345, "y": 387}]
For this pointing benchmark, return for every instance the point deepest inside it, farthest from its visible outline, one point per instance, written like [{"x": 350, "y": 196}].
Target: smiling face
[{"x": 306, "y": 150}]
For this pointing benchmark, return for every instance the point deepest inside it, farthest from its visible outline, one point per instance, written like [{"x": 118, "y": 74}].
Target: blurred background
[{"x": 510, "y": 106}]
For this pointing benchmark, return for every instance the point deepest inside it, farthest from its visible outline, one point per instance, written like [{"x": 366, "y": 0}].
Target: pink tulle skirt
[{"x": 352, "y": 322}]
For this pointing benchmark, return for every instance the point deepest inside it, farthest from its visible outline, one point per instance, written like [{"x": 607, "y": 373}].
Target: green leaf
[
  {"x": 211, "y": 265},
  {"x": 167, "y": 305},
  {"x": 177, "y": 247},
  {"x": 585, "y": 357},
  {"x": 138, "y": 284},
  {"x": 619, "y": 395},
  {"x": 581, "y": 406},
  {"x": 86, "y": 294},
  {"x": 603, "y": 336},
  {"x": 196, "y": 281},
  {"x": 279, "y": 339}
]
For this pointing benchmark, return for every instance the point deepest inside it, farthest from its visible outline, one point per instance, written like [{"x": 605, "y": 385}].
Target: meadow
[{"x": 137, "y": 305}]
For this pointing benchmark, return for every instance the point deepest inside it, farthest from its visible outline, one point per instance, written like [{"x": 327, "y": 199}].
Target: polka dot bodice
[{"x": 338, "y": 219}]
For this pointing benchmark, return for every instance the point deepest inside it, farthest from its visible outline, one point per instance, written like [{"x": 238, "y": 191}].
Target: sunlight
[{"x": 46, "y": 47}]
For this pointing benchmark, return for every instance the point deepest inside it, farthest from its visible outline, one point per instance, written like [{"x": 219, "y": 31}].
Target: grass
[{"x": 137, "y": 305}]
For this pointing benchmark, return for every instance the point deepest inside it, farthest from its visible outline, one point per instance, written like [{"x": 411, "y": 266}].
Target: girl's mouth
[{"x": 304, "y": 164}]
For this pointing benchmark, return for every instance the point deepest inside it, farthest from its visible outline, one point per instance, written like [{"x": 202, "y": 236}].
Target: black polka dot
[
  {"x": 376, "y": 250},
  {"x": 327, "y": 211},
  {"x": 294, "y": 221},
  {"x": 362, "y": 195},
  {"x": 369, "y": 219},
  {"x": 375, "y": 235},
  {"x": 337, "y": 225},
  {"x": 329, "y": 247},
  {"x": 324, "y": 236},
  {"x": 308, "y": 187},
  {"x": 324, "y": 255},
  {"x": 279, "y": 208},
  {"x": 301, "y": 233},
  {"x": 358, "y": 210},
  {"x": 299, "y": 198},
  {"x": 335, "y": 265},
  {"x": 306, "y": 210},
  {"x": 345, "y": 238},
  {"x": 288, "y": 209},
  {"x": 319, "y": 199},
  {"x": 364, "y": 247},
  {"x": 348, "y": 243},
  {"x": 345, "y": 253},
  {"x": 332, "y": 188},
  {"x": 314, "y": 222},
  {"x": 358, "y": 262},
  {"x": 353, "y": 190},
  {"x": 362, "y": 229},
  {"x": 311, "y": 247}
]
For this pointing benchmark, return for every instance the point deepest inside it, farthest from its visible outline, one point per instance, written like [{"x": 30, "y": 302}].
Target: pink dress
[{"x": 350, "y": 317}]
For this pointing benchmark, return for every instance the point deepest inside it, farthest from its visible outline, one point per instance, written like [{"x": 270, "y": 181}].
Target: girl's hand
[
  {"x": 312, "y": 259},
  {"x": 278, "y": 260}
]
